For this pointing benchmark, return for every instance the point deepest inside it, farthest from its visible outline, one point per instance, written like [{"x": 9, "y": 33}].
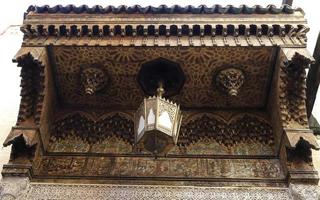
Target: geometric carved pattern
[
  {"x": 198, "y": 64},
  {"x": 238, "y": 129},
  {"x": 89, "y": 130},
  {"x": 150, "y": 192},
  {"x": 293, "y": 90}
]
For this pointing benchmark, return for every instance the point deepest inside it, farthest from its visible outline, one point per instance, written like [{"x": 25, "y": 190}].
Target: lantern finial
[{"x": 160, "y": 90}]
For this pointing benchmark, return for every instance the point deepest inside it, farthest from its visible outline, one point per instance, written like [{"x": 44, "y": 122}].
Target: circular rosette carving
[
  {"x": 230, "y": 80},
  {"x": 93, "y": 79}
]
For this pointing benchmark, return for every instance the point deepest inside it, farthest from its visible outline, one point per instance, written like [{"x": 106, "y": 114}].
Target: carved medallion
[
  {"x": 230, "y": 80},
  {"x": 93, "y": 79}
]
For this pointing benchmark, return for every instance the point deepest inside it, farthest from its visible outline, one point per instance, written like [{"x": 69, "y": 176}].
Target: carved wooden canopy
[{"x": 242, "y": 94}]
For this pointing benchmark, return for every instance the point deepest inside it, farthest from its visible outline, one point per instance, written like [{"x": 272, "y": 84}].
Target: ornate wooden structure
[{"x": 242, "y": 95}]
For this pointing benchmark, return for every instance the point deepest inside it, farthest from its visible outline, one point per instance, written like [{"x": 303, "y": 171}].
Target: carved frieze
[{"x": 160, "y": 167}]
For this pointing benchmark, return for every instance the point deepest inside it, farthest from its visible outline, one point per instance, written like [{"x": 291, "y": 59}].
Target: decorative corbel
[
  {"x": 294, "y": 136},
  {"x": 292, "y": 87},
  {"x": 298, "y": 138},
  {"x": 23, "y": 141},
  {"x": 24, "y": 137},
  {"x": 28, "y": 134},
  {"x": 299, "y": 144}
]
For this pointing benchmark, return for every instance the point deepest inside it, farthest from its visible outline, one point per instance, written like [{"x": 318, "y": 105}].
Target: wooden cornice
[{"x": 83, "y": 22}]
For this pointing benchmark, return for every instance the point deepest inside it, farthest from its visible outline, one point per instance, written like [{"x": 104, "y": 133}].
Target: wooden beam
[
  {"x": 313, "y": 78},
  {"x": 288, "y": 2}
]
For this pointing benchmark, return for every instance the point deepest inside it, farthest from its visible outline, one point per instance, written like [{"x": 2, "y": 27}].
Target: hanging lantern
[{"x": 157, "y": 123}]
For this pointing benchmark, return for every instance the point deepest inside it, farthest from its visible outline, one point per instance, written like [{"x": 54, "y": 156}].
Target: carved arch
[
  {"x": 92, "y": 129},
  {"x": 239, "y": 128}
]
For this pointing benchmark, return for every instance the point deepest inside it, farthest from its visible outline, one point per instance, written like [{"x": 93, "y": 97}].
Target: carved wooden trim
[
  {"x": 206, "y": 40},
  {"x": 259, "y": 34},
  {"x": 298, "y": 138}
]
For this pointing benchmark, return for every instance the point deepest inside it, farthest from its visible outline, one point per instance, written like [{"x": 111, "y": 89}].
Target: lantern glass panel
[
  {"x": 141, "y": 125},
  {"x": 150, "y": 112},
  {"x": 164, "y": 120},
  {"x": 151, "y": 117}
]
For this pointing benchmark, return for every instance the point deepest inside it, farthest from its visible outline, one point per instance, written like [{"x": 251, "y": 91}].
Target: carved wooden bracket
[
  {"x": 27, "y": 133},
  {"x": 24, "y": 141},
  {"x": 294, "y": 136}
]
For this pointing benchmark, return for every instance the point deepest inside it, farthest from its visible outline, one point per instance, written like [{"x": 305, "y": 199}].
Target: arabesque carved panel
[{"x": 199, "y": 64}]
